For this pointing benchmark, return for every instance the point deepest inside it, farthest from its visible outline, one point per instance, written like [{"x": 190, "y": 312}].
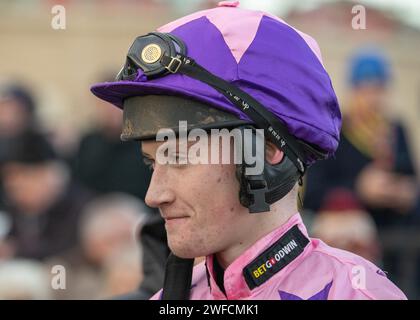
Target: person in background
[
  {"x": 17, "y": 114},
  {"x": 373, "y": 157},
  {"x": 107, "y": 231},
  {"x": 343, "y": 223},
  {"x": 122, "y": 272},
  {"x": 17, "y": 110},
  {"x": 373, "y": 160},
  {"x": 40, "y": 198}
]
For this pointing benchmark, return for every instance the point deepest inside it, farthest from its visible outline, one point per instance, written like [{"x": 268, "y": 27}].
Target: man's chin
[{"x": 185, "y": 252}]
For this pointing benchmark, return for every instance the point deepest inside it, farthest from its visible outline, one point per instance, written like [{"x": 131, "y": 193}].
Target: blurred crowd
[{"x": 82, "y": 211}]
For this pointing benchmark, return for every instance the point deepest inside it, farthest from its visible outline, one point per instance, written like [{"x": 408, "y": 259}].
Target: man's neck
[{"x": 265, "y": 224}]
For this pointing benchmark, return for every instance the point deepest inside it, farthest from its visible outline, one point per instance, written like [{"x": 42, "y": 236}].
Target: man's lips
[
  {"x": 168, "y": 217},
  {"x": 175, "y": 218},
  {"x": 175, "y": 221}
]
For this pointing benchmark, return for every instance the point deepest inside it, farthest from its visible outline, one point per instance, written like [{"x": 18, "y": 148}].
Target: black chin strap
[{"x": 178, "y": 275}]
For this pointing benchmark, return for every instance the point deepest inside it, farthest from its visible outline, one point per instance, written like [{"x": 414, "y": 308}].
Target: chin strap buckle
[{"x": 257, "y": 187}]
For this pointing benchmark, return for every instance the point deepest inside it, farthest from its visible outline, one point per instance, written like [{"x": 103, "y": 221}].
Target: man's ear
[{"x": 273, "y": 155}]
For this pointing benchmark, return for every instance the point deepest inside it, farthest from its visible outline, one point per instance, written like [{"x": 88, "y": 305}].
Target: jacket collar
[{"x": 266, "y": 258}]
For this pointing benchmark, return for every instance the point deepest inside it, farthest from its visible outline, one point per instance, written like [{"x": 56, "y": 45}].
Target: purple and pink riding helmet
[{"x": 224, "y": 67}]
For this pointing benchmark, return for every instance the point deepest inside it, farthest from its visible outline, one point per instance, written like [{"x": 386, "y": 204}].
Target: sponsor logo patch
[{"x": 275, "y": 258}]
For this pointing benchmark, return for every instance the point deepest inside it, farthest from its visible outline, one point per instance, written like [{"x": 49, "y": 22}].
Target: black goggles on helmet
[{"x": 159, "y": 54}]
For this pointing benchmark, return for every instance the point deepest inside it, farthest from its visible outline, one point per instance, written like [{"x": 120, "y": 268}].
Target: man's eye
[{"x": 149, "y": 163}]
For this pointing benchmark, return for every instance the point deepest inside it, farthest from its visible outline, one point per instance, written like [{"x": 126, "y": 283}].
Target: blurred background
[{"x": 72, "y": 194}]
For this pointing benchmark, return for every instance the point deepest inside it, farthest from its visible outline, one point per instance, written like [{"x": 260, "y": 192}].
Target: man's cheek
[{"x": 217, "y": 218}]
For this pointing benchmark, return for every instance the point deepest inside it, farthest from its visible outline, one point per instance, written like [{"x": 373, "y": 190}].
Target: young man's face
[{"x": 200, "y": 205}]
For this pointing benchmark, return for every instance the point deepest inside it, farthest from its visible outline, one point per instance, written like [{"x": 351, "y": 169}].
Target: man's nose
[{"x": 159, "y": 192}]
